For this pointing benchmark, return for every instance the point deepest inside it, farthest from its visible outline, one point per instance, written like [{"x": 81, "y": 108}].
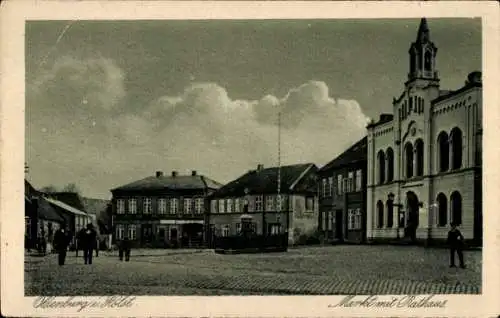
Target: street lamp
[{"x": 390, "y": 198}]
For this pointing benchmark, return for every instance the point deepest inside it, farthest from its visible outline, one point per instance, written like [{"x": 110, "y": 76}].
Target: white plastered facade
[{"x": 431, "y": 113}]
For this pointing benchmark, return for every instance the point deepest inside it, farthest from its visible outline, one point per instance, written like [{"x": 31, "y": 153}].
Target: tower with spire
[{"x": 422, "y": 53}]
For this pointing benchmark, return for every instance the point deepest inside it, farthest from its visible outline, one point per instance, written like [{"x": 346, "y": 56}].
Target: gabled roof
[
  {"x": 266, "y": 181},
  {"x": 178, "y": 182},
  {"x": 65, "y": 206},
  {"x": 72, "y": 199},
  {"x": 47, "y": 212},
  {"x": 355, "y": 153}
]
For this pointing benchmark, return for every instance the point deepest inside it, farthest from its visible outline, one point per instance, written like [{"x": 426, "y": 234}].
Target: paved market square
[{"x": 329, "y": 270}]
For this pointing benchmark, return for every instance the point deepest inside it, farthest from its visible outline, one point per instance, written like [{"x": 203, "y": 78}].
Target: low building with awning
[{"x": 75, "y": 219}]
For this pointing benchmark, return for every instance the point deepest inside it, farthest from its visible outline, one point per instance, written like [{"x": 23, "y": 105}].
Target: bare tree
[
  {"x": 71, "y": 187},
  {"x": 48, "y": 189}
]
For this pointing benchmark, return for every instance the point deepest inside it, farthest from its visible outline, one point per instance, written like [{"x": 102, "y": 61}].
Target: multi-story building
[
  {"x": 255, "y": 195},
  {"x": 162, "y": 211},
  {"x": 424, "y": 164},
  {"x": 342, "y": 195}
]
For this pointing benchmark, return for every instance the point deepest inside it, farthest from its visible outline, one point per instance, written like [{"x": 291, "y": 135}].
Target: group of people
[{"x": 86, "y": 240}]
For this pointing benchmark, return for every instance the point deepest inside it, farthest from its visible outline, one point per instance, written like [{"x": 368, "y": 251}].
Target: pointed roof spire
[{"x": 423, "y": 31}]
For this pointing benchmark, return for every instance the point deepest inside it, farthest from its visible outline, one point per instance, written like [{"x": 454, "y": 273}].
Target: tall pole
[{"x": 279, "y": 172}]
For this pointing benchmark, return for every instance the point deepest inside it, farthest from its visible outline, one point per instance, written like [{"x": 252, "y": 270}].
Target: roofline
[
  {"x": 301, "y": 176},
  {"x": 65, "y": 206},
  {"x": 348, "y": 149},
  {"x": 458, "y": 91}
]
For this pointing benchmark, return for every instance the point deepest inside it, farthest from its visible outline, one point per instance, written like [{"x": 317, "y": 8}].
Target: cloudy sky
[{"x": 111, "y": 102}]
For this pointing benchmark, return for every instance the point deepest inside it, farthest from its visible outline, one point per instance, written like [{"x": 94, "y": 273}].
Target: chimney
[
  {"x": 174, "y": 173},
  {"x": 260, "y": 167},
  {"x": 193, "y": 173},
  {"x": 159, "y": 174},
  {"x": 386, "y": 117}
]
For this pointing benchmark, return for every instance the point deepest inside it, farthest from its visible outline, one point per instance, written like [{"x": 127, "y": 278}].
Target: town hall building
[{"x": 424, "y": 162}]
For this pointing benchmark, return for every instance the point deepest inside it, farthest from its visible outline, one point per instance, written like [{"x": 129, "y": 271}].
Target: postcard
[{"x": 254, "y": 159}]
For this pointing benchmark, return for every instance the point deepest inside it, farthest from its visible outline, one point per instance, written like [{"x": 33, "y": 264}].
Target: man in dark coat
[
  {"x": 78, "y": 240},
  {"x": 61, "y": 242},
  {"x": 456, "y": 244},
  {"x": 124, "y": 248},
  {"x": 88, "y": 240}
]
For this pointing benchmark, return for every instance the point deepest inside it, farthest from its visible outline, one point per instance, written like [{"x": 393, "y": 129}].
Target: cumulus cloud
[{"x": 75, "y": 136}]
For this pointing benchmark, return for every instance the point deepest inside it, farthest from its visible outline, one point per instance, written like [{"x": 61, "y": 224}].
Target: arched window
[
  {"x": 419, "y": 149},
  {"x": 456, "y": 207},
  {"x": 381, "y": 167},
  {"x": 456, "y": 148},
  {"x": 409, "y": 160},
  {"x": 428, "y": 61},
  {"x": 380, "y": 214},
  {"x": 390, "y": 165},
  {"x": 444, "y": 152},
  {"x": 442, "y": 209},
  {"x": 390, "y": 214}
]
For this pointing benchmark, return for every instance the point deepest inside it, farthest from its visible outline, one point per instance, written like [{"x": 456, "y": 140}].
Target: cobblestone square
[{"x": 330, "y": 270}]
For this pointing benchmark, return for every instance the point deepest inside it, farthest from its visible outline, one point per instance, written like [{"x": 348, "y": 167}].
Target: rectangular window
[
  {"x": 351, "y": 181},
  {"x": 309, "y": 204},
  {"x": 198, "y": 207},
  {"x": 269, "y": 203},
  {"x": 357, "y": 221},
  {"x": 280, "y": 202},
  {"x": 238, "y": 228},
  {"x": 331, "y": 220},
  {"x": 187, "y": 205},
  {"x": 253, "y": 227},
  {"x": 330, "y": 186},
  {"x": 132, "y": 231},
  {"x": 359, "y": 180},
  {"x": 119, "y": 231},
  {"x": 226, "y": 230},
  {"x": 147, "y": 206},
  {"x": 120, "y": 206},
  {"x": 229, "y": 205},
  {"x": 237, "y": 205},
  {"x": 339, "y": 184},
  {"x": 162, "y": 206},
  {"x": 174, "y": 205},
  {"x": 323, "y": 190},
  {"x": 213, "y": 206},
  {"x": 274, "y": 229},
  {"x": 258, "y": 203},
  {"x": 221, "y": 206},
  {"x": 132, "y": 206}
]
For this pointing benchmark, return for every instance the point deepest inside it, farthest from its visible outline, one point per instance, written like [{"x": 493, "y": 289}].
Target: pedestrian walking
[
  {"x": 97, "y": 245},
  {"x": 61, "y": 242},
  {"x": 124, "y": 248},
  {"x": 456, "y": 244},
  {"x": 88, "y": 243},
  {"x": 78, "y": 240}
]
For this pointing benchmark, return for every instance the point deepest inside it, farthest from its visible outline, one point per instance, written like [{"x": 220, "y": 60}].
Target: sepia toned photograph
[
  {"x": 253, "y": 157},
  {"x": 249, "y": 159}
]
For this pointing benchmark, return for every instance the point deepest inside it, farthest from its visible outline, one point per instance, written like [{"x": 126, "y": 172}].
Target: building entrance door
[
  {"x": 412, "y": 206},
  {"x": 339, "y": 233}
]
